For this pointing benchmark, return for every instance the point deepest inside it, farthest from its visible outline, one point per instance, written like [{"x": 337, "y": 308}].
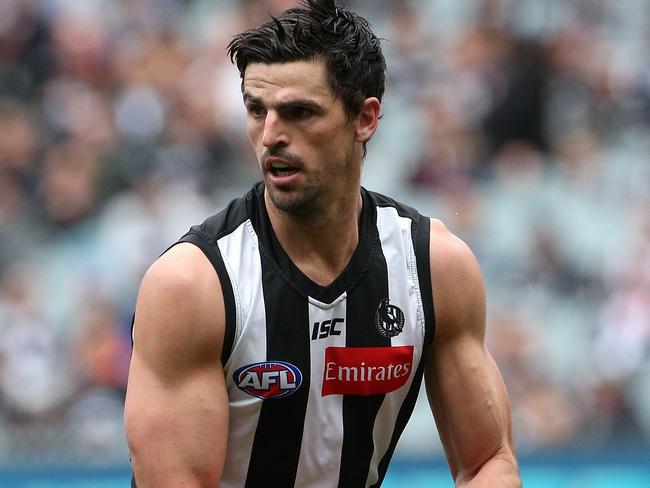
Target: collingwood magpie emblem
[{"x": 389, "y": 319}]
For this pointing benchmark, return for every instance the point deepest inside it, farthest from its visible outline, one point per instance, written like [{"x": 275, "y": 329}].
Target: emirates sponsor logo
[{"x": 366, "y": 370}]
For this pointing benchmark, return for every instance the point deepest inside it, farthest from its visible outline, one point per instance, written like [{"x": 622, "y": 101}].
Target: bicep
[
  {"x": 176, "y": 431},
  {"x": 176, "y": 410}
]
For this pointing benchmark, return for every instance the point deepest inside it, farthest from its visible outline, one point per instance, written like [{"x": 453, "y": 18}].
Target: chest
[{"x": 365, "y": 342}]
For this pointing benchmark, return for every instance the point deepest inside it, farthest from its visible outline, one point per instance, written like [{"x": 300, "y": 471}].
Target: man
[{"x": 283, "y": 341}]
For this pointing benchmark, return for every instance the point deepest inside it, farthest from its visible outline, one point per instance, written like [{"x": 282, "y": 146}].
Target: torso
[{"x": 321, "y": 380}]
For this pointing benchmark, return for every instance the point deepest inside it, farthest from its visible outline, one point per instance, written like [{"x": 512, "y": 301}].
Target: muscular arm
[
  {"x": 465, "y": 389},
  {"x": 176, "y": 411}
]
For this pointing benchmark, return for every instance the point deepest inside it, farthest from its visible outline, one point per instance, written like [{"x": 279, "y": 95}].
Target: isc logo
[
  {"x": 269, "y": 379},
  {"x": 321, "y": 330}
]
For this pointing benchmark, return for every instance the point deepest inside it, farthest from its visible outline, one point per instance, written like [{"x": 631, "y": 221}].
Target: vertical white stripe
[
  {"x": 397, "y": 246},
  {"x": 322, "y": 439},
  {"x": 242, "y": 259}
]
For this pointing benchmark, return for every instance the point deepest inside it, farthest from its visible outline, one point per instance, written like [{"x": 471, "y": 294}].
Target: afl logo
[
  {"x": 389, "y": 319},
  {"x": 269, "y": 379}
]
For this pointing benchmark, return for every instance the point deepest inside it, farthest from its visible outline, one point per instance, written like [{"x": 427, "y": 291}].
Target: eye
[
  {"x": 256, "y": 111},
  {"x": 298, "y": 112}
]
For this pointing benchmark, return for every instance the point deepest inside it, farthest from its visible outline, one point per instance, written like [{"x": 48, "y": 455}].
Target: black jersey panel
[
  {"x": 402, "y": 209},
  {"x": 226, "y": 221},
  {"x": 278, "y": 438},
  {"x": 402, "y": 419},
  {"x": 360, "y": 412}
]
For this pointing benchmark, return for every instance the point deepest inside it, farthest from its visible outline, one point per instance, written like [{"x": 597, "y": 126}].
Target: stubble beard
[
  {"x": 313, "y": 200},
  {"x": 302, "y": 203}
]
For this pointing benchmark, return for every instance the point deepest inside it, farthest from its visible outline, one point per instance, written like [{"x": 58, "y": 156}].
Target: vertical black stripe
[
  {"x": 421, "y": 235},
  {"x": 360, "y": 412},
  {"x": 402, "y": 419},
  {"x": 211, "y": 250},
  {"x": 276, "y": 448}
]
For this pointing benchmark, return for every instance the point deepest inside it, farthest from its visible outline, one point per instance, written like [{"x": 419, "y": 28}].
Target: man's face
[{"x": 304, "y": 142}]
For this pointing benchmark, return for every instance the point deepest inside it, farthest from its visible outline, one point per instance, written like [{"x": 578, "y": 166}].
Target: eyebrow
[{"x": 298, "y": 102}]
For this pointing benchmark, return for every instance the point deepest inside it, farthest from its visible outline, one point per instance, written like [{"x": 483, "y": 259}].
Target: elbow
[
  {"x": 499, "y": 471},
  {"x": 161, "y": 462}
]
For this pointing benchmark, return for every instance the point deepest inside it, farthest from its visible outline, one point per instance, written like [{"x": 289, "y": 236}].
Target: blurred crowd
[{"x": 524, "y": 125}]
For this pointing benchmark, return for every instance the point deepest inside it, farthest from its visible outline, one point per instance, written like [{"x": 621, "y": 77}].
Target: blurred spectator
[
  {"x": 26, "y": 51},
  {"x": 102, "y": 350},
  {"x": 68, "y": 187},
  {"x": 34, "y": 385}
]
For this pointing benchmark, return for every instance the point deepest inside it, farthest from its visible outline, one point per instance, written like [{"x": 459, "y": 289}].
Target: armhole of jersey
[
  {"x": 211, "y": 251},
  {"x": 422, "y": 237}
]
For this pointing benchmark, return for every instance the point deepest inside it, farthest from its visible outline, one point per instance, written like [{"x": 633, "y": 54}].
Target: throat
[
  {"x": 321, "y": 253},
  {"x": 320, "y": 269},
  {"x": 321, "y": 247}
]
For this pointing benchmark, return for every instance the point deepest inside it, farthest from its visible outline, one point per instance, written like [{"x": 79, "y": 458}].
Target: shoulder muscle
[
  {"x": 458, "y": 290},
  {"x": 180, "y": 309}
]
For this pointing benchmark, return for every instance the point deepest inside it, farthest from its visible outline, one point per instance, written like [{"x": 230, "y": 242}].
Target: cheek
[
  {"x": 254, "y": 136},
  {"x": 252, "y": 132},
  {"x": 334, "y": 142},
  {"x": 254, "y": 128},
  {"x": 340, "y": 146}
]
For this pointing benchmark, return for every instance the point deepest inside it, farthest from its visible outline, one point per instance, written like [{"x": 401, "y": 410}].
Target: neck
[{"x": 320, "y": 246}]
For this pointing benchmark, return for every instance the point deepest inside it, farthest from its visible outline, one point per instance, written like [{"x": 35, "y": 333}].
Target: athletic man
[{"x": 282, "y": 342}]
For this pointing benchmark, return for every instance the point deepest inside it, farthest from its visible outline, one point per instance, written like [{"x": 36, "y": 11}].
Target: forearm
[
  {"x": 501, "y": 471},
  {"x": 164, "y": 478}
]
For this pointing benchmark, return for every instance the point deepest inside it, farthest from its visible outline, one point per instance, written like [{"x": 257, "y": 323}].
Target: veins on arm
[{"x": 465, "y": 389}]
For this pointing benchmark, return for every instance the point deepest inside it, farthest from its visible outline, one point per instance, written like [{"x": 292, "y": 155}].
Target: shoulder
[
  {"x": 235, "y": 213},
  {"x": 181, "y": 273},
  {"x": 458, "y": 290},
  {"x": 382, "y": 201},
  {"x": 179, "y": 309}
]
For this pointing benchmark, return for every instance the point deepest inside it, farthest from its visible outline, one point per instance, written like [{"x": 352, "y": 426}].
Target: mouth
[{"x": 280, "y": 168}]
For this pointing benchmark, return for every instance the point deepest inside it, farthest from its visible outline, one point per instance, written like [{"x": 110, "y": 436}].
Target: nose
[{"x": 274, "y": 132}]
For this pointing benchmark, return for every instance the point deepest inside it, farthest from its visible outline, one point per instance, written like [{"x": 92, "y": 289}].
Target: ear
[{"x": 368, "y": 119}]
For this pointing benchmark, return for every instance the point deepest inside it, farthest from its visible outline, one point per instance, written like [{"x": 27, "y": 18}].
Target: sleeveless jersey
[{"x": 321, "y": 380}]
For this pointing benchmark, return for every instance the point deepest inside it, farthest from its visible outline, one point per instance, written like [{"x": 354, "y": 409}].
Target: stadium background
[{"x": 524, "y": 125}]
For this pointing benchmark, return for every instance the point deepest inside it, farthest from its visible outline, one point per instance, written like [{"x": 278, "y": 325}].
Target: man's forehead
[{"x": 304, "y": 77}]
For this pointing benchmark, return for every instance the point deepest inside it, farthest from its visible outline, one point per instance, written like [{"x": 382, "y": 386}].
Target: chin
[{"x": 296, "y": 202}]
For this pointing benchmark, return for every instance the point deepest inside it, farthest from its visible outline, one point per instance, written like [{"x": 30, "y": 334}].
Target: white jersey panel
[
  {"x": 397, "y": 247},
  {"x": 322, "y": 439},
  {"x": 242, "y": 259}
]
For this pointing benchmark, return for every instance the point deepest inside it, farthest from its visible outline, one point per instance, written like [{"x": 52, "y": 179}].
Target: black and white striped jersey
[{"x": 321, "y": 379}]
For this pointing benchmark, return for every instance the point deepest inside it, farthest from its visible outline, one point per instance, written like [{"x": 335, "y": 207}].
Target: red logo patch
[{"x": 366, "y": 370}]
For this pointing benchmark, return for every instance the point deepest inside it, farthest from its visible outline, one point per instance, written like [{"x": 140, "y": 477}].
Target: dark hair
[{"x": 319, "y": 29}]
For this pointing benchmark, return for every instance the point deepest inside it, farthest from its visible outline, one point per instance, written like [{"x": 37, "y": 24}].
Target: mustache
[{"x": 279, "y": 152}]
